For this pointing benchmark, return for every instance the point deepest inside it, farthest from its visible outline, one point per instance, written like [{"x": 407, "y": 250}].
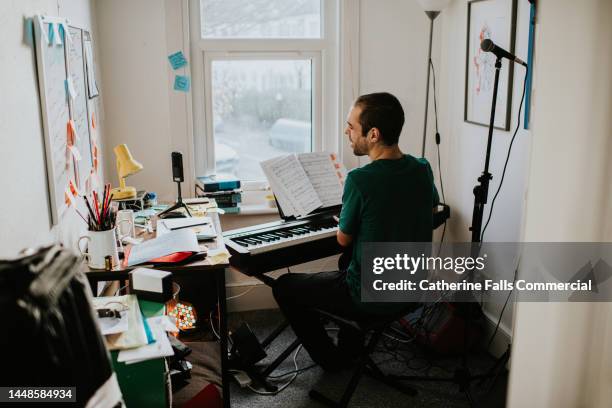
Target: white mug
[
  {"x": 126, "y": 224},
  {"x": 100, "y": 244}
]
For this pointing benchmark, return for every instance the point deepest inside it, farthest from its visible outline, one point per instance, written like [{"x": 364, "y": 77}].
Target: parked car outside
[{"x": 291, "y": 135}]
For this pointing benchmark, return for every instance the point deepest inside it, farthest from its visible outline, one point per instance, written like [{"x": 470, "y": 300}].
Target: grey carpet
[{"x": 407, "y": 359}]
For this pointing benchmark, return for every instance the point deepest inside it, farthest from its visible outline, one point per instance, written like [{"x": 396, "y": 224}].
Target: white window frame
[{"x": 325, "y": 78}]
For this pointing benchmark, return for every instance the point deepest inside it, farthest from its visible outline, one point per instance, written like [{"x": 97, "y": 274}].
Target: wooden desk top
[{"x": 204, "y": 264}]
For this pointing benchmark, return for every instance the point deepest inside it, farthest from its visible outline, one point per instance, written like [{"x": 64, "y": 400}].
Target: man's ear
[{"x": 374, "y": 135}]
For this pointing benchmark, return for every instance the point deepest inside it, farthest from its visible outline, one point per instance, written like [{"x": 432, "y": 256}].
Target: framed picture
[{"x": 496, "y": 20}]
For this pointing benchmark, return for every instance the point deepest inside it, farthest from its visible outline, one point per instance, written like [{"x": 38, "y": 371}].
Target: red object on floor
[{"x": 209, "y": 397}]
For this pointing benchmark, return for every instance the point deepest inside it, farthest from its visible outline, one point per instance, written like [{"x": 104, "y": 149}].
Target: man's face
[{"x": 359, "y": 143}]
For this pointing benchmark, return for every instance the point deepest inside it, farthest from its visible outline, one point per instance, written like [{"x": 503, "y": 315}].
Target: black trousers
[{"x": 297, "y": 294}]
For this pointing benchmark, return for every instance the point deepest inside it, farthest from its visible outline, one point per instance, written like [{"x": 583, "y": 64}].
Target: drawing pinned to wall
[
  {"x": 495, "y": 20},
  {"x": 79, "y": 104},
  {"x": 92, "y": 85}
]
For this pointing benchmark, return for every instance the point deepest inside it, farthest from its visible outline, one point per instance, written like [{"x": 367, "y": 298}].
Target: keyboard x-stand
[{"x": 263, "y": 248}]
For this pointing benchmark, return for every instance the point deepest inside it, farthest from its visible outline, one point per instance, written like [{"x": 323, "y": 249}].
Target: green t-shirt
[{"x": 386, "y": 201}]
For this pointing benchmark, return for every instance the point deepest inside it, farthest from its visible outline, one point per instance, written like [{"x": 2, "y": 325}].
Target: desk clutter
[
  {"x": 137, "y": 338},
  {"x": 116, "y": 238}
]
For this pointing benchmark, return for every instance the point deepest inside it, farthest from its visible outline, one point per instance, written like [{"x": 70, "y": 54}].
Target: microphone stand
[
  {"x": 481, "y": 191},
  {"x": 179, "y": 204}
]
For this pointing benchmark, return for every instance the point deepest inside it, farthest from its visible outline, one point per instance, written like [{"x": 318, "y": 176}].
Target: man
[{"x": 388, "y": 200}]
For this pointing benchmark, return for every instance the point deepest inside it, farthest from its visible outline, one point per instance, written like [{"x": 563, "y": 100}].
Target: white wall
[
  {"x": 394, "y": 37},
  {"x": 566, "y": 346},
  {"x": 142, "y": 108},
  {"x": 24, "y": 211}
]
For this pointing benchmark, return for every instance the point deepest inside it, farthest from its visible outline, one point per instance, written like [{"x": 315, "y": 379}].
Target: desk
[{"x": 199, "y": 275}]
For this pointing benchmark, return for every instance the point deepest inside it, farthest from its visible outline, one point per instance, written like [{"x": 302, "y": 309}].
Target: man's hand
[{"x": 344, "y": 239}]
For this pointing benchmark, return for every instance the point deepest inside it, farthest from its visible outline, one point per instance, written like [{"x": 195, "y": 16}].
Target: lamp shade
[
  {"x": 126, "y": 165},
  {"x": 434, "y": 5}
]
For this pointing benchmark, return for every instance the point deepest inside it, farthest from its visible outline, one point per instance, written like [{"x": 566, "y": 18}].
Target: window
[
  {"x": 265, "y": 82},
  {"x": 260, "y": 18}
]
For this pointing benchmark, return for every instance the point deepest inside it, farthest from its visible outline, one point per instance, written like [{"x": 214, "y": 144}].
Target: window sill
[{"x": 255, "y": 209}]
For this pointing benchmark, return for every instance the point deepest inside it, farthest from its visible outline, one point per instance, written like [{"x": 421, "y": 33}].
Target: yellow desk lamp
[{"x": 126, "y": 166}]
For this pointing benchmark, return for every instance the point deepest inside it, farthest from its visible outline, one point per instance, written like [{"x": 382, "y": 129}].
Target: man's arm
[
  {"x": 344, "y": 239},
  {"x": 350, "y": 215}
]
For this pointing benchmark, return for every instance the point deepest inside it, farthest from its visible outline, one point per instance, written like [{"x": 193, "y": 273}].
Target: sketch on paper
[{"x": 495, "y": 20}]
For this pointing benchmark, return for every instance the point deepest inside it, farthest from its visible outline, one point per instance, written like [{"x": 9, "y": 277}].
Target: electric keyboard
[{"x": 266, "y": 247}]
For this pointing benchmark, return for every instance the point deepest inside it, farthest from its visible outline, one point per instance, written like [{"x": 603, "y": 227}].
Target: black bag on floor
[{"x": 49, "y": 336}]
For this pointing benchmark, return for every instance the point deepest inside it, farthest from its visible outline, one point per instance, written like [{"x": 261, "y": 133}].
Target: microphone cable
[{"x": 501, "y": 182}]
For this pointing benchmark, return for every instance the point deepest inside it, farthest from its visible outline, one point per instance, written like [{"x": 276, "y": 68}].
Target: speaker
[{"x": 177, "y": 167}]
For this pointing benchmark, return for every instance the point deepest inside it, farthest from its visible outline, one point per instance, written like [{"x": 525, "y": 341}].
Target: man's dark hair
[{"x": 382, "y": 111}]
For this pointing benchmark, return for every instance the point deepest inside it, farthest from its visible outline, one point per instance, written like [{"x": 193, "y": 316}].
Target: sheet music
[
  {"x": 322, "y": 175},
  {"x": 290, "y": 183}
]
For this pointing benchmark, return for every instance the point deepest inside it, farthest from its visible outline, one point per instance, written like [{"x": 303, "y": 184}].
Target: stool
[{"x": 374, "y": 326}]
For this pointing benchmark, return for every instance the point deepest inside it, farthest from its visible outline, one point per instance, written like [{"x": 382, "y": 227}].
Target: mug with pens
[{"x": 102, "y": 232}]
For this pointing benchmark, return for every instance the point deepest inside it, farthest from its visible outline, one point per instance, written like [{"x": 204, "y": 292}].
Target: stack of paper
[
  {"x": 160, "y": 347},
  {"x": 202, "y": 226}
]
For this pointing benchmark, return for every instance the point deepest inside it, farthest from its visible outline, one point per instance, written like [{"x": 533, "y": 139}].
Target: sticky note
[
  {"x": 177, "y": 60},
  {"x": 51, "y": 34},
  {"x": 72, "y": 128},
  {"x": 181, "y": 83},
  {"x": 67, "y": 199},
  {"x": 75, "y": 152},
  {"x": 73, "y": 190},
  {"x": 70, "y": 88},
  {"x": 57, "y": 39}
]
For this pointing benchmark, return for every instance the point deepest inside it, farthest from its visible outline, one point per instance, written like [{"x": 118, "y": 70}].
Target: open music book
[{"x": 304, "y": 182}]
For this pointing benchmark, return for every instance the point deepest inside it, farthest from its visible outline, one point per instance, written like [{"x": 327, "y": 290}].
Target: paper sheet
[
  {"x": 217, "y": 256},
  {"x": 183, "y": 240},
  {"x": 112, "y": 325},
  {"x": 321, "y": 172},
  {"x": 202, "y": 226},
  {"x": 161, "y": 347},
  {"x": 291, "y": 185},
  {"x": 91, "y": 76},
  {"x": 135, "y": 335}
]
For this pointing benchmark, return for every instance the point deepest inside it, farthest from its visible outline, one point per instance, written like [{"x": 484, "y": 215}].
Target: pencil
[
  {"x": 91, "y": 213},
  {"x": 96, "y": 206}
]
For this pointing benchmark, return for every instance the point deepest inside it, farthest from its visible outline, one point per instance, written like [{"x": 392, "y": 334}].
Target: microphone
[{"x": 489, "y": 46}]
